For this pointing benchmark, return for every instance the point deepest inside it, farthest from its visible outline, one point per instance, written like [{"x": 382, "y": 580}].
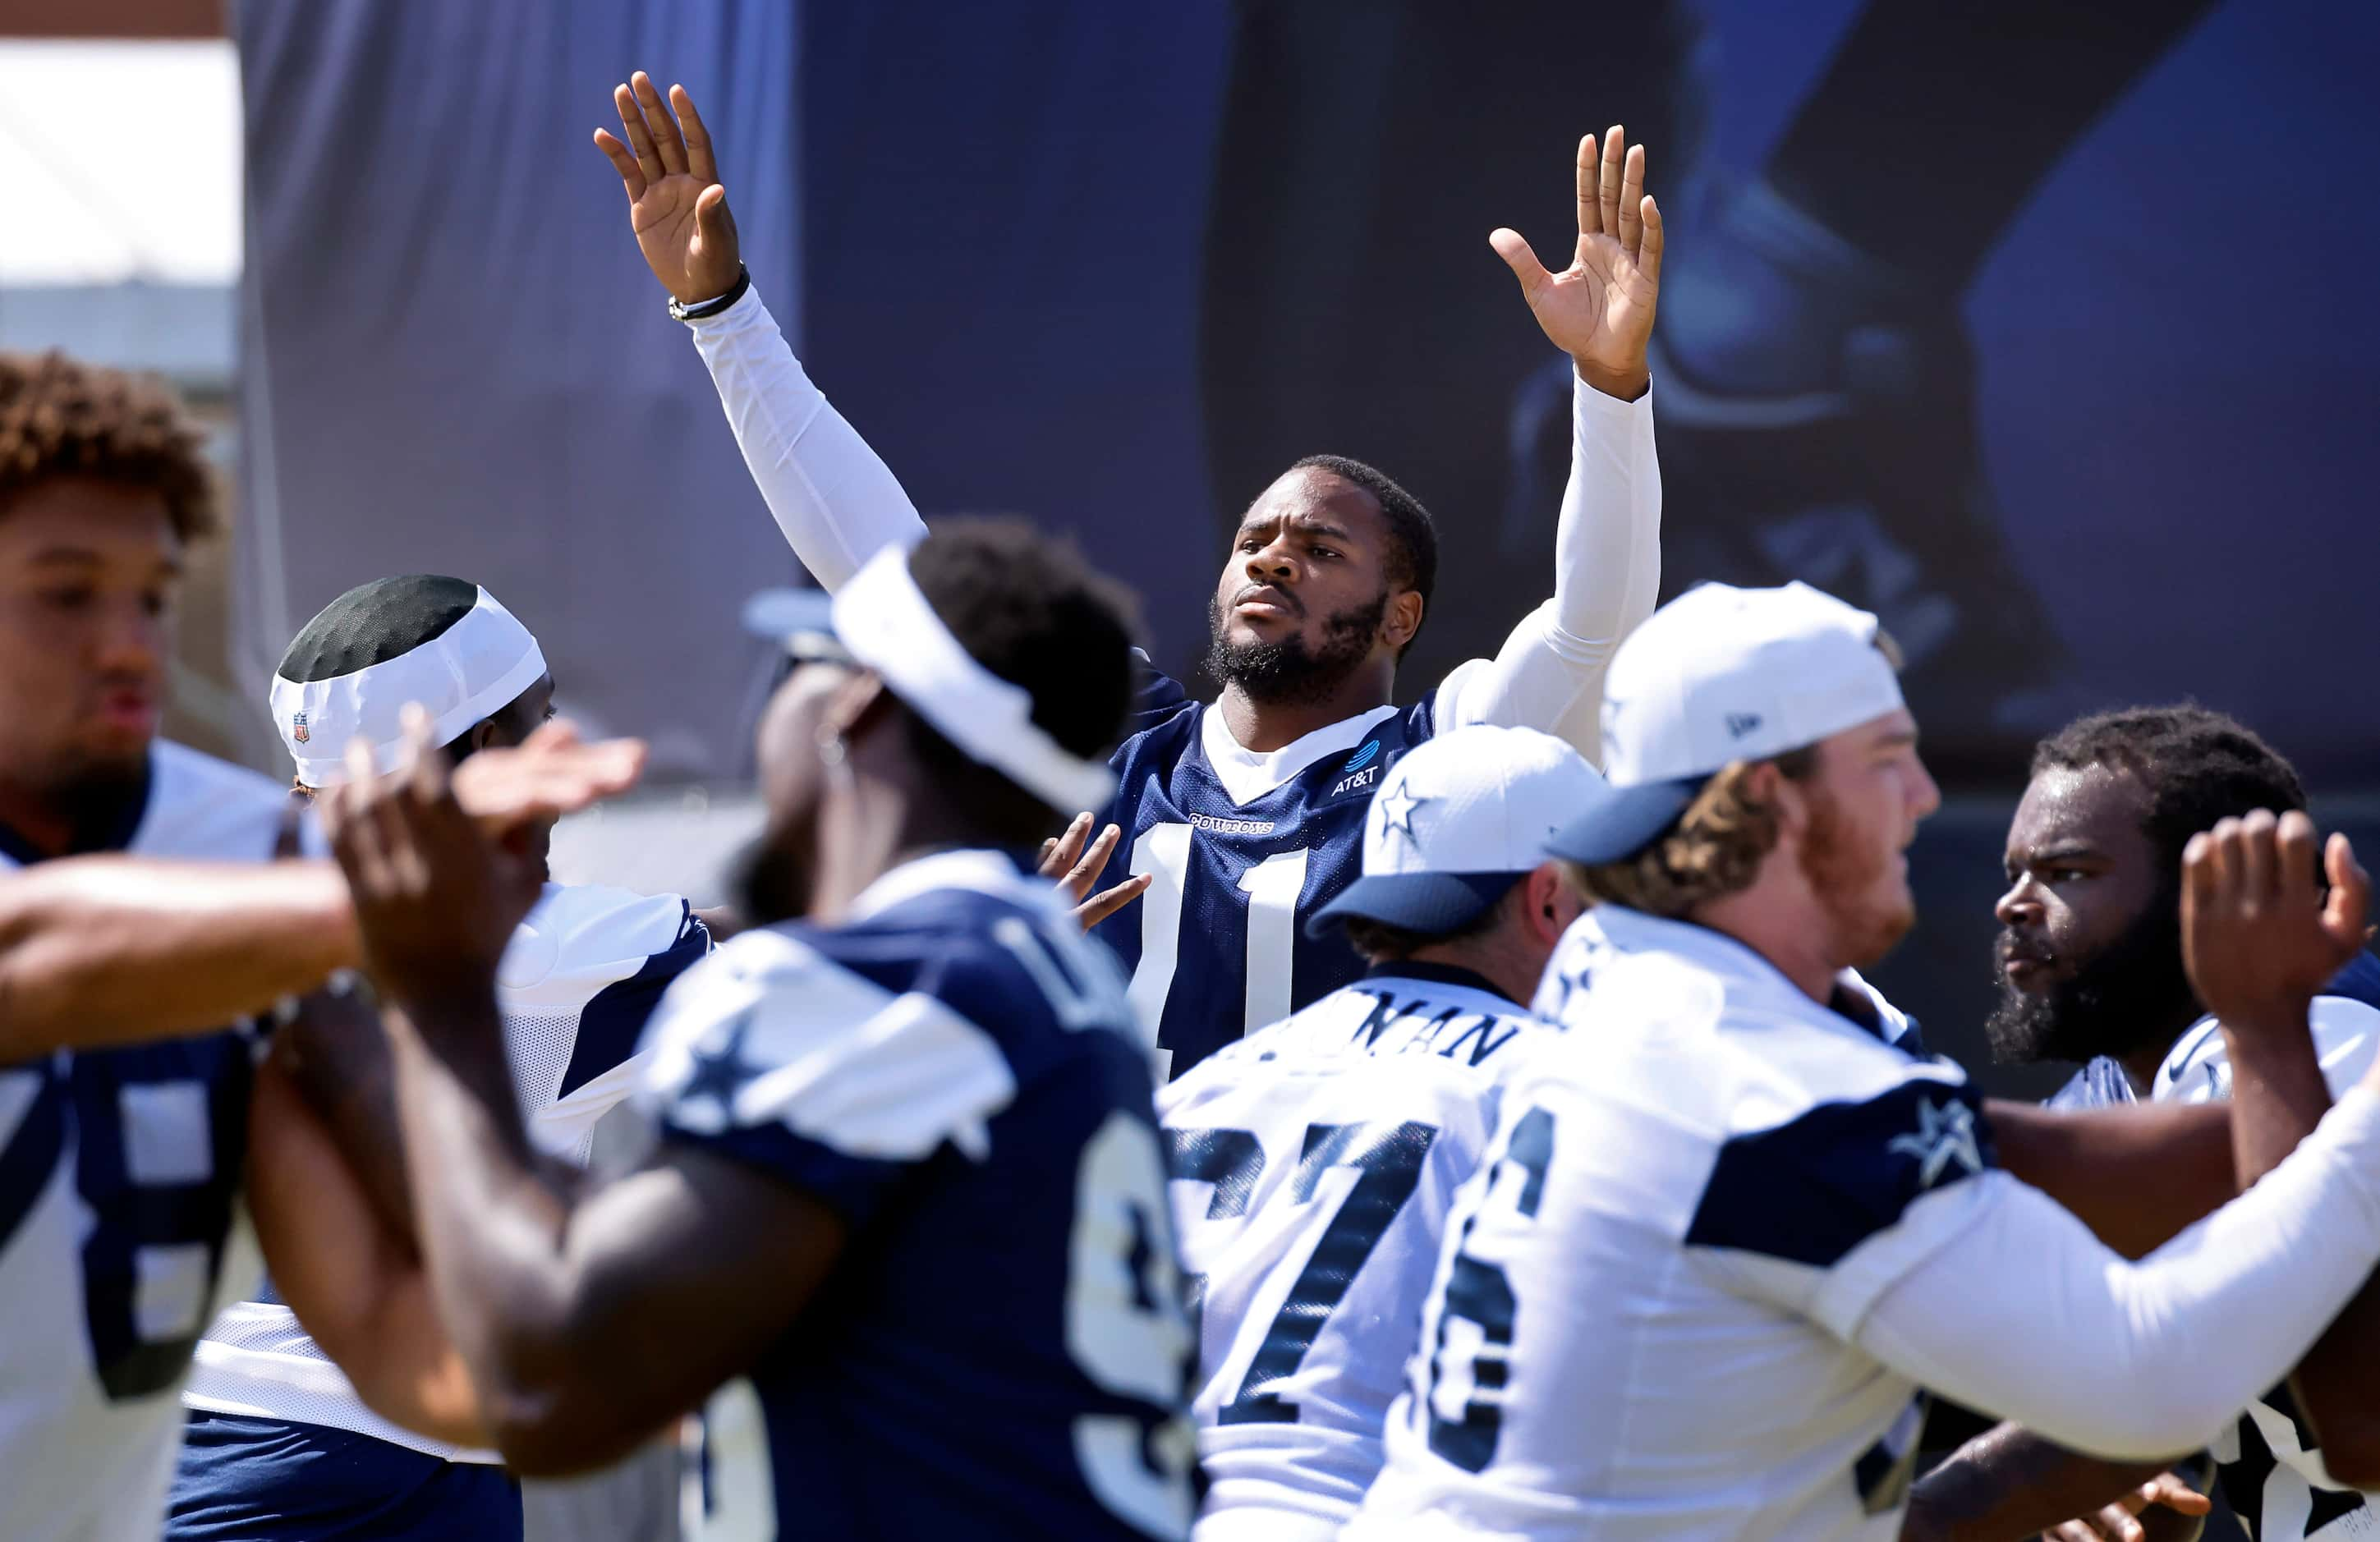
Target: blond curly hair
[
  {"x": 1713, "y": 850},
  {"x": 59, "y": 417}
]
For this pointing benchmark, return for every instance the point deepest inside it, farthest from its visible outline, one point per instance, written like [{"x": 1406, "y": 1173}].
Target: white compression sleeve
[
  {"x": 2027, "y": 1316},
  {"x": 1607, "y": 573},
  {"x": 836, "y": 502}
]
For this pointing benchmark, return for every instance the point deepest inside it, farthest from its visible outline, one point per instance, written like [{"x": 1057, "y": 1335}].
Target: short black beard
[
  {"x": 1286, "y": 673},
  {"x": 2134, "y": 995}
]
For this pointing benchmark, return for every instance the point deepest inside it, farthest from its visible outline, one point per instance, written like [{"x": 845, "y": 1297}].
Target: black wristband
[{"x": 681, "y": 312}]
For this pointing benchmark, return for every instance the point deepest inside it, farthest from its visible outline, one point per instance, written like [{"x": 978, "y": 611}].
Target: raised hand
[
  {"x": 676, "y": 204},
  {"x": 435, "y": 898},
  {"x": 1599, "y": 309},
  {"x": 545, "y": 776},
  {"x": 1075, "y": 867},
  {"x": 2259, "y": 936}
]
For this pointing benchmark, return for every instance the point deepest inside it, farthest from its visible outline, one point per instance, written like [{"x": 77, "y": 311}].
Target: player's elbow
[
  {"x": 558, "y": 1430},
  {"x": 549, "y": 1412},
  {"x": 2145, "y": 1423}
]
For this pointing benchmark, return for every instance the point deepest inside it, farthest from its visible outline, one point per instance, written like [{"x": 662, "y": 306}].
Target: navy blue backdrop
[{"x": 1116, "y": 265}]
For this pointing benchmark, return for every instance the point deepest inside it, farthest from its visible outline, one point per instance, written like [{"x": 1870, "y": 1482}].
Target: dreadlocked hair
[
  {"x": 2195, "y": 765},
  {"x": 60, "y": 418}
]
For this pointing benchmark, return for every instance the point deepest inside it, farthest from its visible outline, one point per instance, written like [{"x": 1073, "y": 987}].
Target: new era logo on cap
[
  {"x": 1720, "y": 674},
  {"x": 1457, "y": 821}
]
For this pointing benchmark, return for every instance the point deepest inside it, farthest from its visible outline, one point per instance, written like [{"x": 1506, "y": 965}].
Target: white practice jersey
[
  {"x": 576, "y": 982},
  {"x": 121, "y": 1229},
  {"x": 1313, "y": 1164},
  {"x": 2272, "y": 1468},
  {"x": 1642, "y": 1322}
]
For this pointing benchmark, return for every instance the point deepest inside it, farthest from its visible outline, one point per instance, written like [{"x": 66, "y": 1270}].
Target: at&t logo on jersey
[{"x": 1361, "y": 769}]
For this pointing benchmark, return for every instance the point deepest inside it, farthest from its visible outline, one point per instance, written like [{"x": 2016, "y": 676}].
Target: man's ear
[
  {"x": 1766, "y": 785},
  {"x": 858, "y": 704},
  {"x": 1549, "y": 905},
  {"x": 1402, "y": 618},
  {"x": 477, "y": 737}
]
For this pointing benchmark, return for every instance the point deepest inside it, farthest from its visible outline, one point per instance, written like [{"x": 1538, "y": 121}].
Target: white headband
[
  {"x": 884, "y": 621},
  {"x": 474, "y": 668}
]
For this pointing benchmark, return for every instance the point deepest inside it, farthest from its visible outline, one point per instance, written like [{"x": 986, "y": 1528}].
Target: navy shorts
[{"x": 262, "y": 1480}]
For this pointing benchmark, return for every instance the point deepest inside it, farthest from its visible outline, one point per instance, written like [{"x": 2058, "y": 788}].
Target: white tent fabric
[{"x": 123, "y": 237}]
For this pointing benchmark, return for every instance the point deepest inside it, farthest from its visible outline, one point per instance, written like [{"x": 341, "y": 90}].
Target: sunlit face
[
  {"x": 2089, "y": 947},
  {"x": 1867, "y": 799},
  {"x": 1306, "y": 591},
  {"x": 89, "y": 570},
  {"x": 2080, "y": 870}
]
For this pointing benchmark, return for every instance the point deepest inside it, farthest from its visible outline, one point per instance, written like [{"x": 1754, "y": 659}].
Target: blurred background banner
[
  {"x": 453, "y": 360},
  {"x": 2053, "y": 356},
  {"x": 2056, "y": 356},
  {"x": 2044, "y": 329}
]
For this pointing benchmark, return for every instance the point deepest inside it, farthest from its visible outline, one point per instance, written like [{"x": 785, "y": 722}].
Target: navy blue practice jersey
[
  {"x": 1243, "y": 848},
  {"x": 1001, "y": 1349}
]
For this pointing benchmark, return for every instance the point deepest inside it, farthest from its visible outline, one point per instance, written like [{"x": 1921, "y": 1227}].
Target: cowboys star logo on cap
[
  {"x": 1493, "y": 792},
  {"x": 1398, "y": 805},
  {"x": 297, "y": 729}
]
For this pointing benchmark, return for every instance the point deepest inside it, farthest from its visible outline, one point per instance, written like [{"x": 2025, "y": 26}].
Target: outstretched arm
[
  {"x": 2138, "y": 1176},
  {"x": 96, "y": 951},
  {"x": 2140, "y": 1360},
  {"x": 551, "y": 1296},
  {"x": 836, "y": 502},
  {"x": 1608, "y": 544}
]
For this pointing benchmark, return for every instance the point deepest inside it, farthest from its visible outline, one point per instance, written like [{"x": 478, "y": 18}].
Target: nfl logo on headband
[{"x": 298, "y": 727}]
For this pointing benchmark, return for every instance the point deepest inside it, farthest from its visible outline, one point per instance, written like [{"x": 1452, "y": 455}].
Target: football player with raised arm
[
  {"x": 1314, "y": 1161},
  {"x": 1731, "y": 1233},
  {"x": 1241, "y": 818},
  {"x": 278, "y": 1445},
  {"x": 904, "y": 1227},
  {"x": 142, "y": 918},
  {"x": 2093, "y": 968}
]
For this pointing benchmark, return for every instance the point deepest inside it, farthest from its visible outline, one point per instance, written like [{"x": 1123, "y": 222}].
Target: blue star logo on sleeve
[
  {"x": 1945, "y": 1134},
  {"x": 721, "y": 1074},
  {"x": 1398, "y": 804}
]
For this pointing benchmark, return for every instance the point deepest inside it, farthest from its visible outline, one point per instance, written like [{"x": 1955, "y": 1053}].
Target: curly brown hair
[
  {"x": 1713, "y": 850},
  {"x": 59, "y": 417}
]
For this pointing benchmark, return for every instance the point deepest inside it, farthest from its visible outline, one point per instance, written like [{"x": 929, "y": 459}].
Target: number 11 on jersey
[{"x": 1272, "y": 887}]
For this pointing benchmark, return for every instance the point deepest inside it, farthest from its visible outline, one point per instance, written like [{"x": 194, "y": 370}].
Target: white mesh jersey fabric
[
  {"x": 80, "y": 1461},
  {"x": 1315, "y": 1164},
  {"x": 578, "y": 944}
]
